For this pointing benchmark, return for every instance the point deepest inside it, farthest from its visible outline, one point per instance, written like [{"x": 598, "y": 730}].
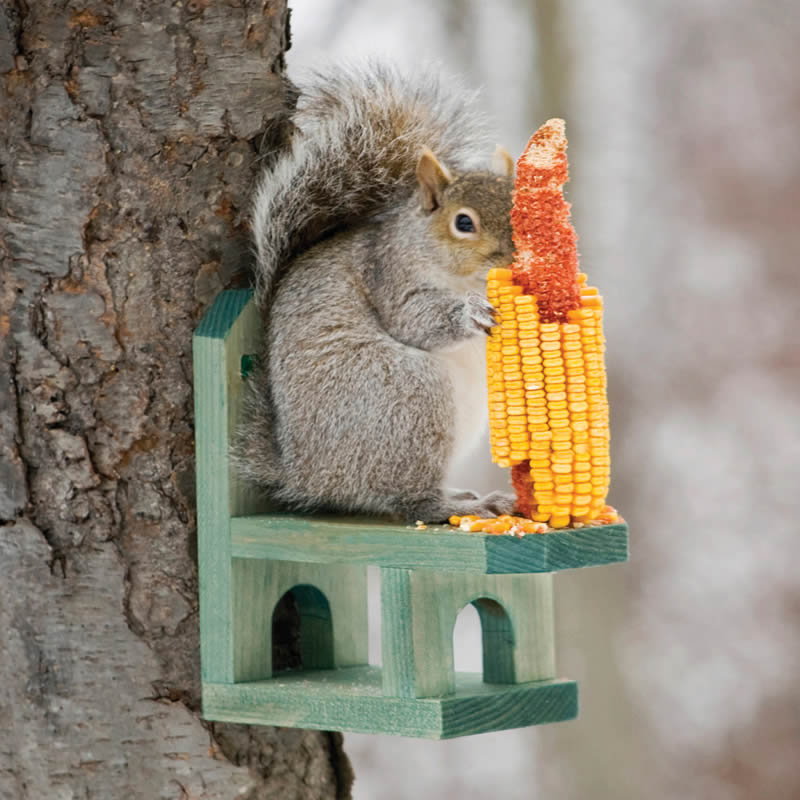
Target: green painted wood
[
  {"x": 397, "y": 635},
  {"x": 258, "y": 588},
  {"x": 352, "y": 700},
  {"x": 316, "y": 628},
  {"x": 365, "y": 540},
  {"x": 222, "y": 313},
  {"x": 213, "y": 514},
  {"x": 497, "y": 641},
  {"x": 552, "y": 552},
  {"x": 418, "y": 613},
  {"x": 229, "y": 328}
]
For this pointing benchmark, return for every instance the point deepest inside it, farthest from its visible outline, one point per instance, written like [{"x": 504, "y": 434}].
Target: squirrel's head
[{"x": 470, "y": 212}]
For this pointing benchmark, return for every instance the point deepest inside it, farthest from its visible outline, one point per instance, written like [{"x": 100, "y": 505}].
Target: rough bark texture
[{"x": 133, "y": 132}]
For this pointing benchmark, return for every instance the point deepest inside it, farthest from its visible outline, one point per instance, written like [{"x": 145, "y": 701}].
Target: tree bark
[{"x": 133, "y": 131}]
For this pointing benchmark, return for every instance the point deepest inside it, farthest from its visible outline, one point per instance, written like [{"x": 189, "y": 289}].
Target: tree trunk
[{"x": 133, "y": 129}]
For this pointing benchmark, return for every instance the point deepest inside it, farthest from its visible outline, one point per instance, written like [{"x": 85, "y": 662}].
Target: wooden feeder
[{"x": 248, "y": 561}]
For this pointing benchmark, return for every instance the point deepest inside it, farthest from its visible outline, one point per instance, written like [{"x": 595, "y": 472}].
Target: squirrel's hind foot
[
  {"x": 441, "y": 507},
  {"x": 461, "y": 494}
]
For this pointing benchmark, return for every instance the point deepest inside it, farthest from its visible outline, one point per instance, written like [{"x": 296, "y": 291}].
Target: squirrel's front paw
[{"x": 481, "y": 314}]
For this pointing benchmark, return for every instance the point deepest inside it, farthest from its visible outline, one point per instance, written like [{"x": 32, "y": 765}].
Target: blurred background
[{"x": 683, "y": 119}]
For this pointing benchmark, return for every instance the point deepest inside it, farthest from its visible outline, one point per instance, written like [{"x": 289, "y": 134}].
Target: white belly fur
[{"x": 465, "y": 364}]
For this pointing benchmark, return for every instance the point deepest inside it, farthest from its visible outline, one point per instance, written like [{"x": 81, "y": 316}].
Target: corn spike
[
  {"x": 557, "y": 422},
  {"x": 548, "y": 410}
]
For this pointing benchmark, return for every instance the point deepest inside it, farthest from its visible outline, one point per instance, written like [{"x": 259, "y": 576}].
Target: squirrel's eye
[{"x": 464, "y": 223}]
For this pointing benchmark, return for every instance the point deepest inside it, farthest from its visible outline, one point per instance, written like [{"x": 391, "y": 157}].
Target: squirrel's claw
[{"x": 482, "y": 313}]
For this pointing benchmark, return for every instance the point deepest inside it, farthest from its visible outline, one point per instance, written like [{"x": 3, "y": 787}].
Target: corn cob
[{"x": 548, "y": 412}]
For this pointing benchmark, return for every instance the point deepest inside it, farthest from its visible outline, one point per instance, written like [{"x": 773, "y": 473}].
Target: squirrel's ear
[
  {"x": 502, "y": 163},
  {"x": 433, "y": 178}
]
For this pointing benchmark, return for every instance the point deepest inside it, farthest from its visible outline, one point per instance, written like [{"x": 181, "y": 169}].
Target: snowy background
[{"x": 684, "y": 126}]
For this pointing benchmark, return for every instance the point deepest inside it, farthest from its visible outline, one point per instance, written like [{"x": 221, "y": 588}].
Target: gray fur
[{"x": 364, "y": 293}]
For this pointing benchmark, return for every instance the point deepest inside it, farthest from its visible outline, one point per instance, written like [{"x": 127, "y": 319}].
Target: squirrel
[{"x": 374, "y": 234}]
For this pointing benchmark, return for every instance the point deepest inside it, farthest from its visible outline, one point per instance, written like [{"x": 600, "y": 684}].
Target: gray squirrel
[{"x": 374, "y": 235}]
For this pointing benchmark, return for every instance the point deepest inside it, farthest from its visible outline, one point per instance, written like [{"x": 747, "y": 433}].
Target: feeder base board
[{"x": 351, "y": 699}]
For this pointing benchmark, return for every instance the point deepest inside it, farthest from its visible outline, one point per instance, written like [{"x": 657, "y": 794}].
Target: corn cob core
[
  {"x": 548, "y": 412},
  {"x": 546, "y": 262}
]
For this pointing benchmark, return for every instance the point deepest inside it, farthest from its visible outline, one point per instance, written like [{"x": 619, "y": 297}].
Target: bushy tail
[
  {"x": 360, "y": 134},
  {"x": 254, "y": 453}
]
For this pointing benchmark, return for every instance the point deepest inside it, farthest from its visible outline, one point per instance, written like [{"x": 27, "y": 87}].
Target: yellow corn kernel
[
  {"x": 554, "y": 370},
  {"x": 534, "y": 376},
  {"x": 500, "y": 274},
  {"x": 548, "y": 403}
]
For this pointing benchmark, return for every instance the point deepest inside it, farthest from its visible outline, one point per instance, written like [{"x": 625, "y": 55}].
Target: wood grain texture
[
  {"x": 259, "y": 585},
  {"x": 440, "y": 547},
  {"x": 419, "y": 610},
  {"x": 229, "y": 328},
  {"x": 213, "y": 515},
  {"x": 352, "y": 700}
]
